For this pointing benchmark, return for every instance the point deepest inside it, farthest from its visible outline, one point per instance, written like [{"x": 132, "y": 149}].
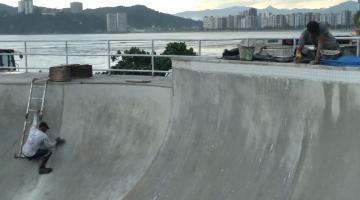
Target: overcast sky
[{"x": 175, "y": 6}]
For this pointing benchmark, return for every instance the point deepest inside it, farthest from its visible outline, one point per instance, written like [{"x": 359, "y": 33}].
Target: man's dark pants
[{"x": 42, "y": 154}]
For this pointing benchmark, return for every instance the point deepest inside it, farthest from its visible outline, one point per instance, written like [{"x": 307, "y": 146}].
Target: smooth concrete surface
[
  {"x": 221, "y": 131},
  {"x": 113, "y": 133}
]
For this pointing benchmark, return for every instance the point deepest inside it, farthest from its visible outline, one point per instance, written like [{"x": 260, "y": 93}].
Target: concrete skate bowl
[
  {"x": 236, "y": 135},
  {"x": 217, "y": 134},
  {"x": 113, "y": 133}
]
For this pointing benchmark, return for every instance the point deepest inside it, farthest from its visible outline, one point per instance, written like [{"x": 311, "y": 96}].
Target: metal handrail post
[
  {"x": 66, "y": 52},
  {"x": 199, "y": 47},
  {"x": 152, "y": 58},
  {"x": 294, "y": 44},
  {"x": 26, "y": 57},
  {"x": 358, "y": 47},
  {"x": 109, "y": 56}
]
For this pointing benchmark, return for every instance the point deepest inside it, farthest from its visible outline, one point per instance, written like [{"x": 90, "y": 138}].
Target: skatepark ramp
[{"x": 220, "y": 130}]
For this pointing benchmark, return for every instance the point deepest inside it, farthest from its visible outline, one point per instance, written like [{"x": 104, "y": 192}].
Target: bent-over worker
[
  {"x": 38, "y": 145},
  {"x": 318, "y": 35}
]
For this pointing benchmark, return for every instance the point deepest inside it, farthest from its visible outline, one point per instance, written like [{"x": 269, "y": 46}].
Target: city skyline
[
  {"x": 251, "y": 19},
  {"x": 184, "y": 5}
]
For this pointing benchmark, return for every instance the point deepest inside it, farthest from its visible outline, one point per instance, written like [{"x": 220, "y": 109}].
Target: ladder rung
[
  {"x": 32, "y": 110},
  {"x": 38, "y": 86},
  {"x": 36, "y": 98},
  {"x": 19, "y": 156}
]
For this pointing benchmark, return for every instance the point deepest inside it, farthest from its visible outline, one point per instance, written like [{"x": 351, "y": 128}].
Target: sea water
[{"x": 212, "y": 44}]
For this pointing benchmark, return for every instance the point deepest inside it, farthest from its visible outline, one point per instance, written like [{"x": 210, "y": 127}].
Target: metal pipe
[
  {"x": 115, "y": 70},
  {"x": 152, "y": 58},
  {"x": 102, "y": 55},
  {"x": 357, "y": 47},
  {"x": 294, "y": 44},
  {"x": 26, "y": 119},
  {"x": 152, "y": 55},
  {"x": 43, "y": 100},
  {"x": 66, "y": 52},
  {"x": 147, "y": 40},
  {"x": 109, "y": 56},
  {"x": 199, "y": 48},
  {"x": 26, "y": 58}
]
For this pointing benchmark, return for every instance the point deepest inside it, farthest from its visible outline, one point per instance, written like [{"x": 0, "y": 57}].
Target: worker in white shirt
[{"x": 39, "y": 146}]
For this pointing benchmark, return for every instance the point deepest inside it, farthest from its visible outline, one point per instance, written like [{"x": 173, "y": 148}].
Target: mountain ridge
[
  {"x": 234, "y": 10},
  {"x": 89, "y": 21}
]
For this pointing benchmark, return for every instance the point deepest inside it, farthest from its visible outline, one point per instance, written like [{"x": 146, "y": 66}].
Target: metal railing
[{"x": 200, "y": 47}]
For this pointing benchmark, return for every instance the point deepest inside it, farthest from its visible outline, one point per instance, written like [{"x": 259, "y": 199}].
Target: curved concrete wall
[
  {"x": 224, "y": 131},
  {"x": 257, "y": 137},
  {"x": 113, "y": 133}
]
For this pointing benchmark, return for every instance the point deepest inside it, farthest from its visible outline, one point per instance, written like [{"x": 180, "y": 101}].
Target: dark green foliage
[
  {"x": 356, "y": 19},
  {"x": 7, "y": 10},
  {"x": 144, "y": 63},
  {"x": 132, "y": 62},
  {"x": 172, "y": 48},
  {"x": 63, "y": 22}
]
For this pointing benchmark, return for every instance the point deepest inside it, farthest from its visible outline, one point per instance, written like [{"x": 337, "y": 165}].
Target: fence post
[
  {"x": 294, "y": 44},
  {"x": 26, "y": 57},
  {"x": 109, "y": 57},
  {"x": 357, "y": 47},
  {"x": 152, "y": 58},
  {"x": 199, "y": 48},
  {"x": 67, "y": 52}
]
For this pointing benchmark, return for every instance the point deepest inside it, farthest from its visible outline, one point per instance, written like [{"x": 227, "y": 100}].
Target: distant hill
[
  {"x": 7, "y": 10},
  {"x": 142, "y": 17},
  {"x": 199, "y": 15},
  {"x": 89, "y": 21}
]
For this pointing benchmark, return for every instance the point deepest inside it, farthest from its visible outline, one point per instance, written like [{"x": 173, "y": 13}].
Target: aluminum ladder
[{"x": 37, "y": 87}]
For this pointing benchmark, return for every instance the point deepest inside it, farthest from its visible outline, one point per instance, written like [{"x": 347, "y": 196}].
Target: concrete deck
[{"x": 218, "y": 130}]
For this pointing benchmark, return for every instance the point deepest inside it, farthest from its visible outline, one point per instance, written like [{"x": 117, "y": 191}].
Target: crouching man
[
  {"x": 318, "y": 35},
  {"x": 39, "y": 146}
]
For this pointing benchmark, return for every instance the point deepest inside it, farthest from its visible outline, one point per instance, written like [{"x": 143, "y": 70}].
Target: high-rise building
[
  {"x": 252, "y": 12},
  {"x": 346, "y": 18},
  {"x": 237, "y": 22},
  {"x": 116, "y": 22},
  {"x": 26, "y": 7},
  {"x": 299, "y": 20},
  {"x": 76, "y": 7},
  {"x": 338, "y": 19},
  {"x": 317, "y": 17},
  {"x": 20, "y": 7},
  {"x": 290, "y": 20},
  {"x": 249, "y": 19},
  {"x": 308, "y": 17},
  {"x": 209, "y": 23},
  {"x": 221, "y": 23},
  {"x": 206, "y": 23},
  {"x": 213, "y": 22},
  {"x": 265, "y": 19},
  {"x": 230, "y": 22}
]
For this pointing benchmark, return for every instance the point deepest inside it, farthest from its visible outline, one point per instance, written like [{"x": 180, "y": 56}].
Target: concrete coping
[
  {"x": 26, "y": 78},
  {"x": 270, "y": 69},
  {"x": 262, "y": 63}
]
